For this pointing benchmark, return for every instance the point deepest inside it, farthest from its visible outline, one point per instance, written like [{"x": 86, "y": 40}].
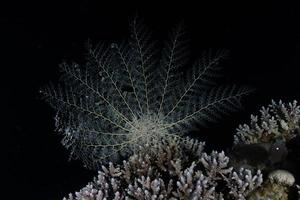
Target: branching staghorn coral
[
  {"x": 269, "y": 143},
  {"x": 188, "y": 173},
  {"x": 277, "y": 121},
  {"x": 133, "y": 94}
]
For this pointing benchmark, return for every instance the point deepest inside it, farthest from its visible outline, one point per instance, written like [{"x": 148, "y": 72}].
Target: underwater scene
[{"x": 201, "y": 104}]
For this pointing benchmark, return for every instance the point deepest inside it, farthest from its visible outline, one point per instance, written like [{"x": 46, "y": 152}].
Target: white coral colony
[
  {"x": 276, "y": 187},
  {"x": 168, "y": 174},
  {"x": 282, "y": 177}
]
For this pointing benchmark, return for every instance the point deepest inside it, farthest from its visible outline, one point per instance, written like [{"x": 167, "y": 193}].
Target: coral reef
[
  {"x": 176, "y": 170},
  {"x": 277, "y": 121},
  {"x": 270, "y": 143},
  {"x": 276, "y": 187}
]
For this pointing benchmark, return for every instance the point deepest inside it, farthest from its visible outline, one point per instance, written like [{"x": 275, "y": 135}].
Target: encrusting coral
[{"x": 276, "y": 187}]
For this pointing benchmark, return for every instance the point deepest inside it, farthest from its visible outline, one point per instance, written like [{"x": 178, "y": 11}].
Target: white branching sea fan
[{"x": 133, "y": 94}]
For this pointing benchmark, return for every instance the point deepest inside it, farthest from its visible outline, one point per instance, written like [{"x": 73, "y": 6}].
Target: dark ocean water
[{"x": 263, "y": 38}]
